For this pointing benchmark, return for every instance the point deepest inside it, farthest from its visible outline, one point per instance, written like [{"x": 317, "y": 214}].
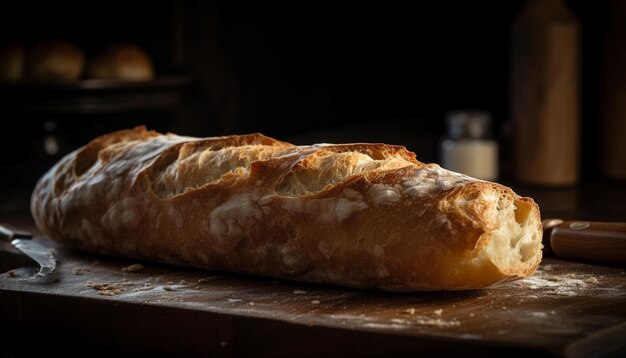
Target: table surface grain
[{"x": 565, "y": 308}]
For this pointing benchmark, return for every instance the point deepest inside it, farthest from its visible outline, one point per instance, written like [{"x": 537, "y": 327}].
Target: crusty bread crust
[{"x": 360, "y": 215}]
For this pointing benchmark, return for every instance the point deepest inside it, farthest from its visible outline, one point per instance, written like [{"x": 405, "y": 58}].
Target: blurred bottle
[
  {"x": 613, "y": 124},
  {"x": 468, "y": 146},
  {"x": 545, "y": 99}
]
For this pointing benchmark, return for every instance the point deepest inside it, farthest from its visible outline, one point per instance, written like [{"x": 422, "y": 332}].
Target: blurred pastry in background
[
  {"x": 11, "y": 63},
  {"x": 55, "y": 61},
  {"x": 123, "y": 62}
]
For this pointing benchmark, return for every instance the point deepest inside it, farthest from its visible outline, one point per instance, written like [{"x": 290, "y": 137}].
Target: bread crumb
[
  {"x": 591, "y": 279},
  {"x": 410, "y": 311},
  {"x": 169, "y": 288},
  {"x": 203, "y": 280},
  {"x": 53, "y": 251},
  {"x": 80, "y": 271},
  {"x": 11, "y": 273},
  {"x": 438, "y": 312},
  {"x": 99, "y": 286},
  {"x": 315, "y": 302},
  {"x": 133, "y": 268},
  {"x": 299, "y": 292},
  {"x": 472, "y": 314},
  {"x": 251, "y": 303},
  {"x": 223, "y": 343},
  {"x": 547, "y": 268},
  {"x": 114, "y": 292},
  {"x": 105, "y": 289}
]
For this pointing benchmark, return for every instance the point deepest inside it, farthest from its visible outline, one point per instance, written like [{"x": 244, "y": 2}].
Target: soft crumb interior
[{"x": 515, "y": 241}]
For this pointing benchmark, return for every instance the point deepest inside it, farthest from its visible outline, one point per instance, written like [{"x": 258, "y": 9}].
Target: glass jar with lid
[{"x": 468, "y": 146}]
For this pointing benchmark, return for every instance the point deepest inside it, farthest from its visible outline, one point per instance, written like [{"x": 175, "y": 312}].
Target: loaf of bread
[
  {"x": 11, "y": 63},
  {"x": 122, "y": 62},
  {"x": 359, "y": 215},
  {"x": 55, "y": 61}
]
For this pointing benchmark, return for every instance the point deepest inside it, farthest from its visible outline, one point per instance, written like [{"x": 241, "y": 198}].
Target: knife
[
  {"x": 23, "y": 241},
  {"x": 601, "y": 243}
]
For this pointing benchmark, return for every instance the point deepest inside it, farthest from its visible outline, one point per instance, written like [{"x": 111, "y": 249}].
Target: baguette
[{"x": 359, "y": 215}]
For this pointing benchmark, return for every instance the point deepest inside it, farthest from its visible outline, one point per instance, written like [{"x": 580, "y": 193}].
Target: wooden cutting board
[{"x": 565, "y": 308}]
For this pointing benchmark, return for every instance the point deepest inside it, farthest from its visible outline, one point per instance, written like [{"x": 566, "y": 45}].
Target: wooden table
[
  {"x": 561, "y": 310},
  {"x": 95, "y": 307}
]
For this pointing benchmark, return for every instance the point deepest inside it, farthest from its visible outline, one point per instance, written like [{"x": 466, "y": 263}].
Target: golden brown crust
[{"x": 361, "y": 215}]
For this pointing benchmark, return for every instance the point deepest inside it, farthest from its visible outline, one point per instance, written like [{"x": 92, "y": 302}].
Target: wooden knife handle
[{"x": 597, "y": 242}]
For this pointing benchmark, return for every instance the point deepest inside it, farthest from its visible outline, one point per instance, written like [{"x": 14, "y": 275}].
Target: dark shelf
[{"x": 94, "y": 96}]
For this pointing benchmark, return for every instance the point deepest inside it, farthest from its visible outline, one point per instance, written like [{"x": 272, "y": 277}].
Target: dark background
[{"x": 298, "y": 71}]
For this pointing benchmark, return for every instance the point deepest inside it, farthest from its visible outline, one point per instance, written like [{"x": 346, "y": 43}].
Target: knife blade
[
  {"x": 601, "y": 243},
  {"x": 23, "y": 241}
]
